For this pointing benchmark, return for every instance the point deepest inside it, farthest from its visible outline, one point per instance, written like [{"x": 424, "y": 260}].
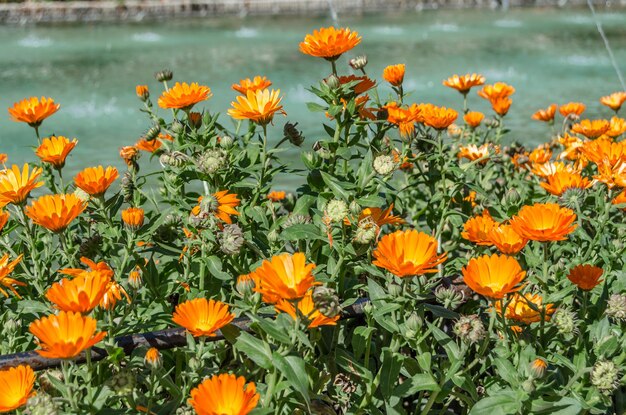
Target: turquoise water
[{"x": 91, "y": 70}]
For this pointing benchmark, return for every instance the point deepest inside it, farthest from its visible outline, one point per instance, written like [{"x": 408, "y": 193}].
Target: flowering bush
[{"x": 421, "y": 267}]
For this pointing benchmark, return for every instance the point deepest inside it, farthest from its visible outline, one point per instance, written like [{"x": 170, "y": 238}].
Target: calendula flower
[
  {"x": 284, "y": 276},
  {"x": 306, "y": 308},
  {"x": 4, "y": 218},
  {"x": 473, "y": 152},
  {"x": 617, "y": 127},
  {"x": 544, "y": 170},
  {"x": 439, "y": 118},
  {"x": 16, "y": 185},
  {"x": 380, "y": 217},
  {"x": 184, "y": 96},
  {"x": 404, "y": 118},
  {"x": 223, "y": 207},
  {"x": 100, "y": 267},
  {"x": 620, "y": 199},
  {"x": 614, "y": 100},
  {"x": 112, "y": 295},
  {"x": 394, "y": 74},
  {"x": 408, "y": 253},
  {"x": 360, "y": 84},
  {"x": 473, "y": 118},
  {"x": 519, "y": 309},
  {"x": 202, "y": 317},
  {"x": 6, "y": 268},
  {"x": 224, "y": 394},
  {"x": 603, "y": 151},
  {"x": 55, "y": 212},
  {"x": 586, "y": 276},
  {"x": 572, "y": 109},
  {"x": 96, "y": 180},
  {"x": 477, "y": 229},
  {"x": 54, "y": 150},
  {"x": 276, "y": 196},
  {"x": 133, "y": 217},
  {"x": 134, "y": 278},
  {"x": 257, "y": 106},
  {"x": 501, "y": 105},
  {"x": 329, "y": 43},
  {"x": 142, "y": 92},
  {"x": 152, "y": 145},
  {"x": 545, "y": 115},
  {"x": 16, "y": 387},
  {"x": 464, "y": 83},
  {"x": 33, "y": 110},
  {"x": 506, "y": 240},
  {"x": 493, "y": 276},
  {"x": 558, "y": 183},
  {"x": 544, "y": 222},
  {"x": 540, "y": 155},
  {"x": 153, "y": 358},
  {"x": 81, "y": 294},
  {"x": 591, "y": 129},
  {"x": 255, "y": 84},
  {"x": 65, "y": 335},
  {"x": 129, "y": 154},
  {"x": 496, "y": 91}
]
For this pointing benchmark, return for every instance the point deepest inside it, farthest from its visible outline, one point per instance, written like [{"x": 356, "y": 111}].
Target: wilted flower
[
  {"x": 291, "y": 132},
  {"x": 616, "y": 307}
]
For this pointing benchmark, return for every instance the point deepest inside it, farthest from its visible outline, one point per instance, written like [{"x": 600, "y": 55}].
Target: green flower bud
[
  {"x": 366, "y": 231},
  {"x": 41, "y": 404},
  {"x": 355, "y": 208},
  {"x": 211, "y": 161},
  {"x": 604, "y": 376},
  {"x": 173, "y": 159},
  {"x": 528, "y": 386},
  {"x": 616, "y": 307},
  {"x": 294, "y": 136},
  {"x": 227, "y": 142},
  {"x": 450, "y": 297},
  {"x": 565, "y": 321},
  {"x": 572, "y": 197},
  {"x": 231, "y": 239},
  {"x": 511, "y": 198},
  {"x": 177, "y": 127},
  {"x": 469, "y": 329},
  {"x": 11, "y": 326},
  {"x": 336, "y": 210},
  {"x": 164, "y": 75},
  {"x": 414, "y": 323},
  {"x": 273, "y": 236},
  {"x": 384, "y": 164},
  {"x": 333, "y": 82},
  {"x": 153, "y": 132},
  {"x": 326, "y": 301},
  {"x": 122, "y": 383},
  {"x": 395, "y": 290},
  {"x": 538, "y": 368},
  {"x": 296, "y": 220},
  {"x": 358, "y": 63}
]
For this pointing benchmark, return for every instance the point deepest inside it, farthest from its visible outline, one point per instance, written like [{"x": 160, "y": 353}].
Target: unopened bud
[
  {"x": 538, "y": 368},
  {"x": 326, "y": 301},
  {"x": 358, "y": 63},
  {"x": 616, "y": 307},
  {"x": 604, "y": 376},
  {"x": 565, "y": 321},
  {"x": 291, "y": 132},
  {"x": 245, "y": 285},
  {"x": 333, "y": 82},
  {"x": 336, "y": 210},
  {"x": 384, "y": 164},
  {"x": 470, "y": 329},
  {"x": 164, "y": 75},
  {"x": 273, "y": 236},
  {"x": 226, "y": 142},
  {"x": 153, "y": 359},
  {"x": 231, "y": 239}
]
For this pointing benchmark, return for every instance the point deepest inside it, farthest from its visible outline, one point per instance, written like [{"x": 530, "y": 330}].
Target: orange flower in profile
[
  {"x": 226, "y": 204},
  {"x": 620, "y": 199},
  {"x": 496, "y": 91},
  {"x": 506, "y": 240},
  {"x": 55, "y": 212},
  {"x": 4, "y": 218},
  {"x": 544, "y": 222},
  {"x": 550, "y": 168},
  {"x": 202, "y": 317},
  {"x": 617, "y": 127},
  {"x": 276, "y": 196},
  {"x": 81, "y": 294},
  {"x": 572, "y": 109},
  {"x": 306, "y": 308},
  {"x": 380, "y": 217},
  {"x": 558, "y": 183},
  {"x": 96, "y": 180},
  {"x": 224, "y": 394},
  {"x": 473, "y": 118},
  {"x": 184, "y": 96},
  {"x": 142, "y": 92},
  {"x": 540, "y": 155},
  {"x": 4, "y": 157},
  {"x": 614, "y": 100},
  {"x": 520, "y": 310},
  {"x": 153, "y": 358},
  {"x": 477, "y": 229},
  {"x": 6, "y": 268},
  {"x": 404, "y": 118},
  {"x": 591, "y": 129},
  {"x": 493, "y": 276},
  {"x": 408, "y": 253},
  {"x": 464, "y": 83},
  {"x": 65, "y": 335},
  {"x": 586, "y": 277},
  {"x": 329, "y": 43},
  {"x": 439, "y": 118},
  {"x": 16, "y": 386},
  {"x": 16, "y": 185},
  {"x": 33, "y": 110},
  {"x": 545, "y": 115},
  {"x": 129, "y": 154},
  {"x": 284, "y": 276},
  {"x": 100, "y": 267},
  {"x": 472, "y": 152},
  {"x": 257, "y": 106},
  {"x": 501, "y": 105},
  {"x": 255, "y": 84},
  {"x": 612, "y": 175},
  {"x": 394, "y": 74},
  {"x": 133, "y": 217},
  {"x": 360, "y": 84},
  {"x": 148, "y": 145},
  {"x": 54, "y": 150},
  {"x": 112, "y": 295},
  {"x": 605, "y": 151}
]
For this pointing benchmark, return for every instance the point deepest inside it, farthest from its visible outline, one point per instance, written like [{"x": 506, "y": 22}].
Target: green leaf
[
  {"x": 505, "y": 402},
  {"x": 313, "y": 107},
  {"x": 214, "y": 266},
  {"x": 299, "y": 231},
  {"x": 417, "y": 383},
  {"x": 274, "y": 331},
  {"x": 389, "y": 371},
  {"x": 338, "y": 188},
  {"x": 293, "y": 368},
  {"x": 255, "y": 349}
]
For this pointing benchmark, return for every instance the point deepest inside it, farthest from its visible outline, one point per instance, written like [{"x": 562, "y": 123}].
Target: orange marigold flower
[
  {"x": 112, "y": 295},
  {"x": 501, "y": 105},
  {"x": 472, "y": 152},
  {"x": 134, "y": 278},
  {"x": 142, "y": 92},
  {"x": 81, "y": 294},
  {"x": 404, "y": 118},
  {"x": 55, "y": 212},
  {"x": 329, "y": 43},
  {"x": 361, "y": 84},
  {"x": 4, "y": 218},
  {"x": 572, "y": 109},
  {"x": 496, "y": 91},
  {"x": 506, "y": 240},
  {"x": 394, "y": 74},
  {"x": 464, "y": 83},
  {"x": 540, "y": 155},
  {"x": 545, "y": 115},
  {"x": 16, "y": 185},
  {"x": 473, "y": 118},
  {"x": 439, "y": 118},
  {"x": 224, "y": 394},
  {"x": 129, "y": 154},
  {"x": 380, "y": 217},
  {"x": 614, "y": 100},
  {"x": 153, "y": 358},
  {"x": 617, "y": 127},
  {"x": 100, "y": 267},
  {"x": 184, "y": 96},
  {"x": 257, "y": 106},
  {"x": 6, "y": 268},
  {"x": 16, "y": 386},
  {"x": 284, "y": 276},
  {"x": 33, "y": 110},
  {"x": 477, "y": 229},
  {"x": 96, "y": 180},
  {"x": 54, "y": 150},
  {"x": 255, "y": 84},
  {"x": 544, "y": 222},
  {"x": 65, "y": 335},
  {"x": 591, "y": 129},
  {"x": 226, "y": 204},
  {"x": 520, "y": 310},
  {"x": 620, "y": 199},
  {"x": 148, "y": 145},
  {"x": 408, "y": 253},
  {"x": 548, "y": 169},
  {"x": 133, "y": 217},
  {"x": 202, "y": 317},
  {"x": 306, "y": 308},
  {"x": 3, "y": 158},
  {"x": 558, "y": 183},
  {"x": 585, "y": 276},
  {"x": 612, "y": 175},
  {"x": 604, "y": 151},
  {"x": 276, "y": 195},
  {"x": 493, "y": 276}
]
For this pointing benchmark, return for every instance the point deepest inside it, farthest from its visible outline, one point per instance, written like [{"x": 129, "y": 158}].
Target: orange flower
[
  {"x": 55, "y": 212},
  {"x": 379, "y": 216},
  {"x": 256, "y": 84},
  {"x": 329, "y": 43},
  {"x": 493, "y": 276},
  {"x": 16, "y": 386},
  {"x": 550, "y": 168},
  {"x": 545, "y": 115},
  {"x": 520, "y": 310},
  {"x": 96, "y": 180},
  {"x": 15, "y": 186},
  {"x": 473, "y": 152},
  {"x": 257, "y": 106},
  {"x": 81, "y": 294},
  {"x": 404, "y": 118},
  {"x": 540, "y": 155},
  {"x": 4, "y": 218},
  {"x": 585, "y": 276},
  {"x": 129, "y": 154},
  {"x": 153, "y": 358},
  {"x": 6, "y": 268},
  {"x": 361, "y": 84},
  {"x": 148, "y": 145},
  {"x": 612, "y": 175},
  {"x": 439, "y": 118},
  {"x": 614, "y": 100},
  {"x": 100, "y": 267},
  {"x": 394, "y": 74},
  {"x": 225, "y": 205},
  {"x": 224, "y": 395},
  {"x": 544, "y": 222},
  {"x": 591, "y": 129},
  {"x": 496, "y": 91},
  {"x": 464, "y": 83},
  {"x": 276, "y": 196},
  {"x": 603, "y": 151},
  {"x": 408, "y": 253},
  {"x": 142, "y": 92},
  {"x": 33, "y": 111},
  {"x": 620, "y": 199},
  {"x": 617, "y": 127},
  {"x": 3, "y": 158},
  {"x": 306, "y": 308},
  {"x": 558, "y": 183},
  {"x": 501, "y": 105},
  {"x": 184, "y": 96},
  {"x": 572, "y": 109},
  {"x": 112, "y": 295},
  {"x": 477, "y": 229},
  {"x": 506, "y": 239},
  {"x": 133, "y": 217},
  {"x": 473, "y": 118},
  {"x": 65, "y": 335},
  {"x": 54, "y": 150},
  {"x": 202, "y": 317},
  {"x": 284, "y": 277}
]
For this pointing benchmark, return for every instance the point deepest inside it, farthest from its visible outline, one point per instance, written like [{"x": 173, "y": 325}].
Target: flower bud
[
  {"x": 358, "y": 63},
  {"x": 226, "y": 142},
  {"x": 245, "y": 285},
  {"x": 231, "y": 239},
  {"x": 185, "y": 410},
  {"x": 130, "y": 155},
  {"x": 173, "y": 159},
  {"x": 134, "y": 279},
  {"x": 294, "y": 136},
  {"x": 122, "y": 383},
  {"x": 565, "y": 321},
  {"x": 512, "y": 198},
  {"x": 164, "y": 75},
  {"x": 333, "y": 82},
  {"x": 492, "y": 123},
  {"x": 195, "y": 120},
  {"x": 616, "y": 307},
  {"x": 153, "y": 132},
  {"x": 355, "y": 208},
  {"x": 366, "y": 231},
  {"x": 296, "y": 220},
  {"x": 414, "y": 323},
  {"x": 384, "y": 164},
  {"x": 211, "y": 161},
  {"x": 11, "y": 326},
  {"x": 336, "y": 210},
  {"x": 128, "y": 187},
  {"x": 572, "y": 197},
  {"x": 133, "y": 217},
  {"x": 177, "y": 127},
  {"x": 153, "y": 359},
  {"x": 604, "y": 376},
  {"x": 195, "y": 364},
  {"x": 395, "y": 290},
  {"x": 326, "y": 301},
  {"x": 538, "y": 368},
  {"x": 142, "y": 92},
  {"x": 469, "y": 329},
  {"x": 41, "y": 404},
  {"x": 273, "y": 236},
  {"x": 450, "y": 297},
  {"x": 528, "y": 386}
]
